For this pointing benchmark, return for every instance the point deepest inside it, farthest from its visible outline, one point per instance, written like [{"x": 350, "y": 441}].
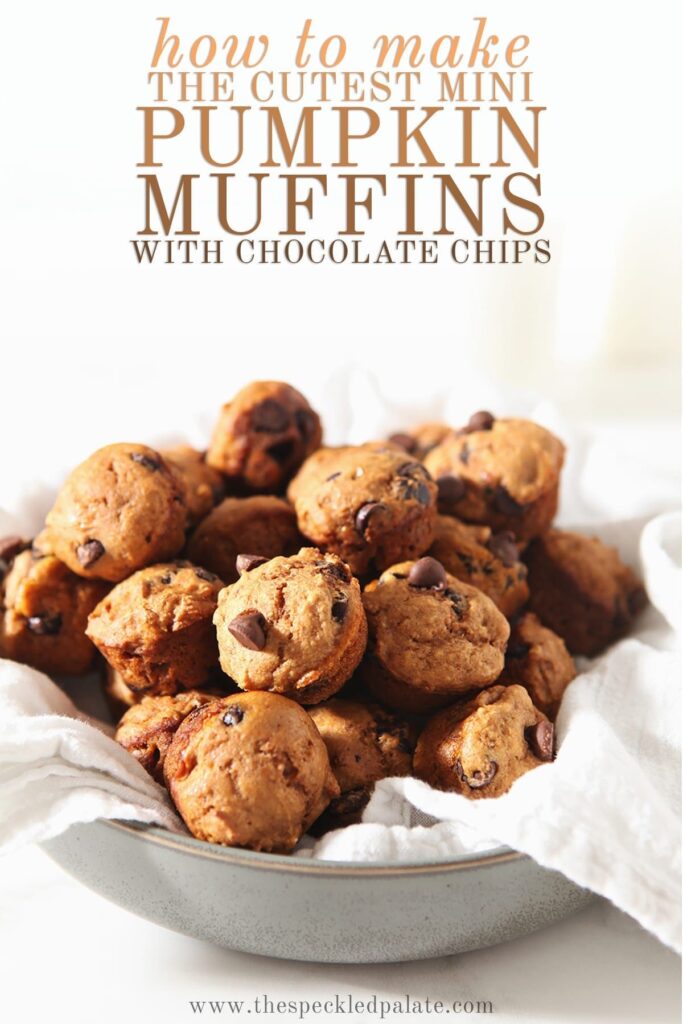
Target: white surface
[{"x": 69, "y": 957}]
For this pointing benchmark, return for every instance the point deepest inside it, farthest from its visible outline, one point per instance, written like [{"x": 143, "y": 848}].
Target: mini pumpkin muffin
[
  {"x": 489, "y": 561},
  {"x": 203, "y": 486},
  {"x": 432, "y": 637},
  {"x": 365, "y": 743},
  {"x": 120, "y": 510},
  {"x": 249, "y": 770},
  {"x": 263, "y": 435},
  {"x": 260, "y": 525},
  {"x": 46, "y": 608},
  {"x": 480, "y": 748},
  {"x": 147, "y": 728},
  {"x": 503, "y": 473},
  {"x": 295, "y": 626},
  {"x": 420, "y": 440},
  {"x": 155, "y": 628},
  {"x": 537, "y": 659},
  {"x": 582, "y": 590},
  {"x": 367, "y": 504}
]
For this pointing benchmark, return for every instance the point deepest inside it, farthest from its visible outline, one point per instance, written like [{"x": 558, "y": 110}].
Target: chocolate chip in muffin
[
  {"x": 144, "y": 460},
  {"x": 89, "y": 552},
  {"x": 365, "y": 512},
  {"x": 458, "y": 601},
  {"x": 451, "y": 488},
  {"x": 505, "y": 503},
  {"x": 249, "y": 629},
  {"x": 233, "y": 715},
  {"x": 245, "y": 563},
  {"x": 503, "y": 546},
  {"x": 478, "y": 779},
  {"x": 204, "y": 574},
  {"x": 340, "y": 606},
  {"x": 541, "y": 738},
  {"x": 45, "y": 625},
  {"x": 482, "y": 420},
  {"x": 427, "y": 574}
]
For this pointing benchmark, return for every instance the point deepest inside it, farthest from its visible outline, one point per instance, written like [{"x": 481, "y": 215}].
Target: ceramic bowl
[{"x": 325, "y": 911}]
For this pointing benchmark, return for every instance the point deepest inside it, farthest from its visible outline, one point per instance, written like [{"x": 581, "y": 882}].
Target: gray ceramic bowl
[{"x": 334, "y": 912}]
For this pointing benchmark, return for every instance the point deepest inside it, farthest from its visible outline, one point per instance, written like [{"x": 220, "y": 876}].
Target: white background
[{"x": 96, "y": 348}]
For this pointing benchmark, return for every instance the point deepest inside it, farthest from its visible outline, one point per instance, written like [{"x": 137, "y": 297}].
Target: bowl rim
[{"x": 282, "y": 863}]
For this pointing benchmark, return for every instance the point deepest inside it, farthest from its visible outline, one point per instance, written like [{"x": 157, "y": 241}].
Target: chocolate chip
[
  {"x": 503, "y": 546},
  {"x": 480, "y": 421},
  {"x": 459, "y": 602},
  {"x": 464, "y": 454},
  {"x": 340, "y": 606},
  {"x": 451, "y": 488},
  {"x": 413, "y": 469},
  {"x": 269, "y": 417},
  {"x": 427, "y": 574},
  {"x": 332, "y": 476},
  {"x": 249, "y": 629},
  {"x": 12, "y": 546},
  {"x": 245, "y": 563},
  {"x": 233, "y": 715},
  {"x": 517, "y": 651},
  {"x": 364, "y": 513},
  {"x": 281, "y": 452},
  {"x": 336, "y": 571},
  {"x": 405, "y": 441},
  {"x": 540, "y": 738},
  {"x": 167, "y": 578},
  {"x": 505, "y": 503},
  {"x": 306, "y": 422},
  {"x": 45, "y": 625},
  {"x": 413, "y": 490},
  {"x": 478, "y": 779},
  {"x": 204, "y": 574},
  {"x": 144, "y": 460},
  {"x": 467, "y": 561},
  {"x": 89, "y": 552}
]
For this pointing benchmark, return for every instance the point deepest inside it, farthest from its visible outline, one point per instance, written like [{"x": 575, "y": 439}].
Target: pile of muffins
[{"x": 282, "y": 624}]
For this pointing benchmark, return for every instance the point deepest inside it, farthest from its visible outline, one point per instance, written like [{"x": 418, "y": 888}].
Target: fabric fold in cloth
[{"x": 57, "y": 768}]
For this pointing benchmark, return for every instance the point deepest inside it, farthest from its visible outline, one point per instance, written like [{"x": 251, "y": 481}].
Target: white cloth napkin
[{"x": 605, "y": 813}]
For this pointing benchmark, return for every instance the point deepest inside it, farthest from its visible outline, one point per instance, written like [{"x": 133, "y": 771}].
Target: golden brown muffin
[
  {"x": 368, "y": 504},
  {"x": 537, "y": 659},
  {"x": 46, "y": 609},
  {"x": 261, "y": 525},
  {"x": 121, "y": 509},
  {"x": 155, "y": 628},
  {"x": 480, "y": 748},
  {"x": 486, "y": 560},
  {"x": 295, "y": 626},
  {"x": 263, "y": 435},
  {"x": 582, "y": 590},
  {"x": 147, "y": 728},
  {"x": 365, "y": 743},
  {"x": 503, "y": 473},
  {"x": 432, "y": 637},
  {"x": 249, "y": 770},
  {"x": 203, "y": 486}
]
